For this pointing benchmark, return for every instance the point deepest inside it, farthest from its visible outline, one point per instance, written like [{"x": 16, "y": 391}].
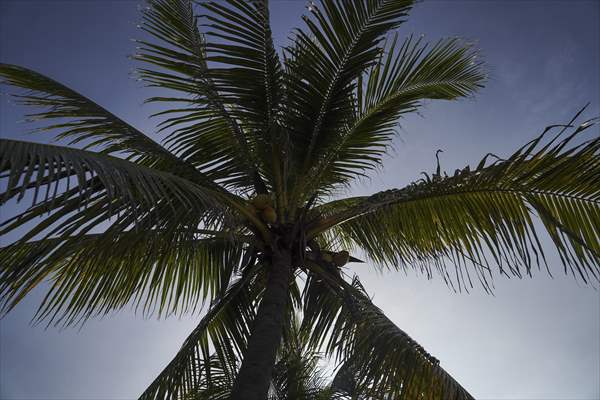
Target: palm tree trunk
[{"x": 252, "y": 382}]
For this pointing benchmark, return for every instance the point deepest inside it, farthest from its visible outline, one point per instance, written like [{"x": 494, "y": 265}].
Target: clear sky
[{"x": 535, "y": 339}]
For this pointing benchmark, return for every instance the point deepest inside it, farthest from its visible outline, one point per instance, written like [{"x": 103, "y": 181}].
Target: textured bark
[{"x": 253, "y": 379}]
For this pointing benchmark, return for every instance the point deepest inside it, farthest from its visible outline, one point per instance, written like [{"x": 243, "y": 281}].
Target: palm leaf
[
  {"x": 379, "y": 360},
  {"x": 160, "y": 272},
  {"x": 216, "y": 381},
  {"x": 81, "y": 191},
  {"x": 249, "y": 75},
  {"x": 402, "y": 78},
  {"x": 178, "y": 62},
  {"x": 35, "y": 166},
  {"x": 81, "y": 120},
  {"x": 341, "y": 43},
  {"x": 387, "y": 360},
  {"x": 296, "y": 374},
  {"x": 482, "y": 215},
  {"x": 226, "y": 327}
]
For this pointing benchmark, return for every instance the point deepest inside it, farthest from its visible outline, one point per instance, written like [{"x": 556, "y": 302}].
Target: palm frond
[
  {"x": 397, "y": 84},
  {"x": 92, "y": 176},
  {"x": 225, "y": 327},
  {"x": 297, "y": 374},
  {"x": 379, "y": 360},
  {"x": 207, "y": 134},
  {"x": 342, "y": 41},
  {"x": 215, "y": 380},
  {"x": 157, "y": 272},
  {"x": 387, "y": 360},
  {"x": 485, "y": 215},
  {"x": 81, "y": 191},
  {"x": 81, "y": 120},
  {"x": 248, "y": 73},
  {"x": 344, "y": 381}
]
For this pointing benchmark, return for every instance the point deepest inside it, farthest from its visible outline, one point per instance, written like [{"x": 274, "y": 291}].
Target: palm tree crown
[{"x": 240, "y": 206}]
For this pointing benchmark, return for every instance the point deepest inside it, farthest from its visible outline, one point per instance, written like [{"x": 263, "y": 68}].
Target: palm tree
[{"x": 240, "y": 206}]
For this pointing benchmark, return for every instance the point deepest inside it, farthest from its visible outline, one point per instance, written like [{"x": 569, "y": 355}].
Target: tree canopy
[{"x": 241, "y": 206}]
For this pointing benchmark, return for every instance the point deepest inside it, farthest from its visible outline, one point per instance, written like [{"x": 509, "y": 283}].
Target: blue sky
[{"x": 535, "y": 339}]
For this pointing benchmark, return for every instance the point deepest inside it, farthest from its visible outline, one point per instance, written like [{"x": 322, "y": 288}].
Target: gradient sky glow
[{"x": 534, "y": 339}]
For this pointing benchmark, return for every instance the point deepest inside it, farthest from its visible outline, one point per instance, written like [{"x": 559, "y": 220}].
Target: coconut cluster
[{"x": 263, "y": 206}]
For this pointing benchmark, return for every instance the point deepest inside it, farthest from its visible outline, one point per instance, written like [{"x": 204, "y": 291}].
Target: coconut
[
  {"x": 262, "y": 201},
  {"x": 340, "y": 259},
  {"x": 269, "y": 215},
  {"x": 327, "y": 257}
]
